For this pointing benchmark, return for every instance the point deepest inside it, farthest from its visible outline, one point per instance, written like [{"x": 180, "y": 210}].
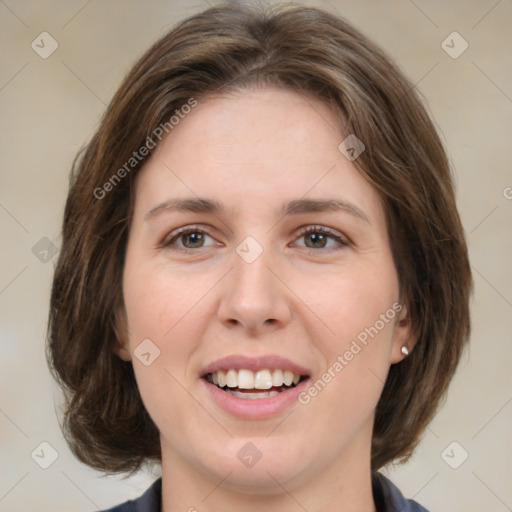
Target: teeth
[
  {"x": 231, "y": 379},
  {"x": 247, "y": 379},
  {"x": 252, "y": 396},
  {"x": 263, "y": 379},
  {"x": 288, "y": 377},
  {"x": 277, "y": 378}
]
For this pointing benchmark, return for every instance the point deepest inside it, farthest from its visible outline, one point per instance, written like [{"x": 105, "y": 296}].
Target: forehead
[{"x": 266, "y": 145}]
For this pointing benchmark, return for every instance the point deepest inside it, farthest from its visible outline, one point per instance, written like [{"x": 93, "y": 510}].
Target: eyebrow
[
  {"x": 190, "y": 204},
  {"x": 299, "y": 206},
  {"x": 295, "y": 207}
]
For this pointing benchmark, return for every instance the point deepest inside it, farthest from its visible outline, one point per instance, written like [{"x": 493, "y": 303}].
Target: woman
[{"x": 264, "y": 281}]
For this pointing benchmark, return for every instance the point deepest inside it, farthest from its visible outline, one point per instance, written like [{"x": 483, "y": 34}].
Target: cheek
[
  {"x": 171, "y": 309},
  {"x": 366, "y": 312},
  {"x": 168, "y": 310},
  {"x": 356, "y": 359},
  {"x": 353, "y": 300},
  {"x": 357, "y": 306},
  {"x": 158, "y": 300}
]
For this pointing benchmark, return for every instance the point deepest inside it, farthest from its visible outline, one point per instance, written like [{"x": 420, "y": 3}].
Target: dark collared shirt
[{"x": 386, "y": 495}]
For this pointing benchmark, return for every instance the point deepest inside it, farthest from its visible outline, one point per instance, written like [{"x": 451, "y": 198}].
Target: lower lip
[{"x": 254, "y": 408}]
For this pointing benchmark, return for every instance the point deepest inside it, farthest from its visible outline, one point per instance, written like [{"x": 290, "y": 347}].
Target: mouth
[
  {"x": 254, "y": 387},
  {"x": 250, "y": 385}
]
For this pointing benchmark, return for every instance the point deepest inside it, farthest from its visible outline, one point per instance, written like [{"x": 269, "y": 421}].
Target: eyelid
[
  {"x": 341, "y": 239},
  {"x": 175, "y": 234}
]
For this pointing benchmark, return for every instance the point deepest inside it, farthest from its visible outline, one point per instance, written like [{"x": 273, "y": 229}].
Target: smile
[
  {"x": 255, "y": 387},
  {"x": 251, "y": 385}
]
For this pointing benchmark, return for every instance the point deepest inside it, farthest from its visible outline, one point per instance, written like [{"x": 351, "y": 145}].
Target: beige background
[{"x": 50, "y": 107}]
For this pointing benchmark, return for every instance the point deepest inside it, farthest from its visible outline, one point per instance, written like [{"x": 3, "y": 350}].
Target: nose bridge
[
  {"x": 253, "y": 297},
  {"x": 252, "y": 277}
]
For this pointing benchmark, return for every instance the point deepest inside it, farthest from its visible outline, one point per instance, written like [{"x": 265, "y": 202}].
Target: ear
[
  {"x": 404, "y": 335},
  {"x": 121, "y": 347}
]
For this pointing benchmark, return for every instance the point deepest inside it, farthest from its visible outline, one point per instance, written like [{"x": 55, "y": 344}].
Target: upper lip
[{"x": 270, "y": 362}]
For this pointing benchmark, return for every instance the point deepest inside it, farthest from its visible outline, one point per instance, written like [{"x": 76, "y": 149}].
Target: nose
[{"x": 254, "y": 298}]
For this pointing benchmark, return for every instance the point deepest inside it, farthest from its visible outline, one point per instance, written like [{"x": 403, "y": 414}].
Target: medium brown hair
[{"x": 225, "y": 49}]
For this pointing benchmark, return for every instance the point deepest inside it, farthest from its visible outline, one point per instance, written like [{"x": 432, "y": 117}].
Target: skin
[{"x": 252, "y": 152}]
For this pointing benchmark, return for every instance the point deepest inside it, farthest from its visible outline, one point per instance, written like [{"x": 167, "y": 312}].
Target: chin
[{"x": 258, "y": 465}]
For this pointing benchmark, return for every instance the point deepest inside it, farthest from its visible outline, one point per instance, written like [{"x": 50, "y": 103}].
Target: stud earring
[{"x": 405, "y": 351}]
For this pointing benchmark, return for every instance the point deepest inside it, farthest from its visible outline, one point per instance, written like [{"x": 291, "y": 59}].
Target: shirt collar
[{"x": 387, "y": 498}]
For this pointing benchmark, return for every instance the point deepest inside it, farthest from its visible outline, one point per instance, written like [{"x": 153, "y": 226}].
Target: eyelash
[{"x": 321, "y": 230}]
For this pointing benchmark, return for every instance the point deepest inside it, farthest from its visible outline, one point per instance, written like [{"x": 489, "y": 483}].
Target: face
[{"x": 258, "y": 260}]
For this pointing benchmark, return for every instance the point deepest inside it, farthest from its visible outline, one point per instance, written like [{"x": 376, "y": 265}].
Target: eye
[
  {"x": 319, "y": 237},
  {"x": 187, "y": 238},
  {"x": 315, "y": 237}
]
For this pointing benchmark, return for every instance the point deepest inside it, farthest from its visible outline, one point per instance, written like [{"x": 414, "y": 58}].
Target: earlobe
[
  {"x": 123, "y": 354},
  {"x": 405, "y": 337},
  {"x": 121, "y": 347}
]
